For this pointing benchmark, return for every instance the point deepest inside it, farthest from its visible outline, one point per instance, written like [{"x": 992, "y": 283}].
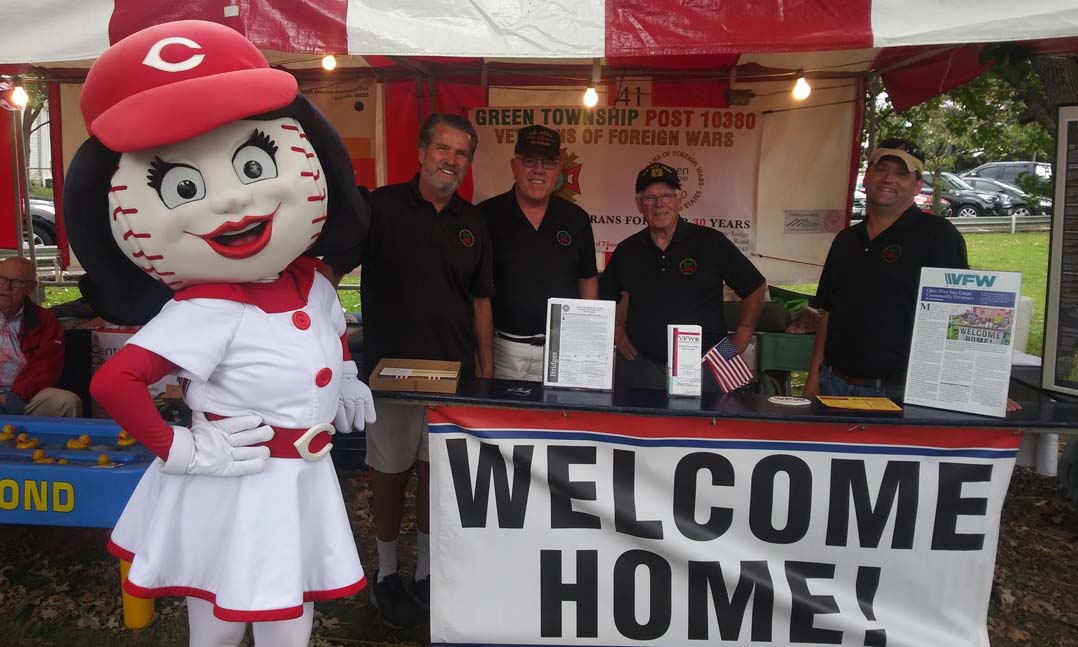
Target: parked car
[
  {"x": 43, "y": 217},
  {"x": 858, "y": 211},
  {"x": 924, "y": 202},
  {"x": 966, "y": 202},
  {"x": 1013, "y": 201},
  {"x": 1009, "y": 172}
]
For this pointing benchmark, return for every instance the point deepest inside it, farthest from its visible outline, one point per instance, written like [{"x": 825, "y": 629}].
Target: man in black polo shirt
[
  {"x": 427, "y": 284},
  {"x": 672, "y": 272},
  {"x": 543, "y": 247},
  {"x": 868, "y": 288}
]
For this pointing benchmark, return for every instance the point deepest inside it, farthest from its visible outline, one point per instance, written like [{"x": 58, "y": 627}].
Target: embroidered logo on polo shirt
[
  {"x": 564, "y": 239},
  {"x": 688, "y": 266},
  {"x": 467, "y": 238},
  {"x": 891, "y": 253}
]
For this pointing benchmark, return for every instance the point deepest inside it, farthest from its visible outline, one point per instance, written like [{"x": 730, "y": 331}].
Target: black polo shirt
[
  {"x": 869, "y": 287},
  {"x": 682, "y": 285},
  {"x": 421, "y": 270},
  {"x": 531, "y": 265}
]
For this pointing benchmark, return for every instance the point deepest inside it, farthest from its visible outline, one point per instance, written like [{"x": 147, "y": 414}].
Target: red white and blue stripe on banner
[{"x": 650, "y": 431}]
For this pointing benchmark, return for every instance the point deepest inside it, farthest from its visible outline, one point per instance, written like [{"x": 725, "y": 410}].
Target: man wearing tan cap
[{"x": 868, "y": 288}]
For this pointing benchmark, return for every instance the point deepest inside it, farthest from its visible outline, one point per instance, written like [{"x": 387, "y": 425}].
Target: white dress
[{"x": 256, "y": 546}]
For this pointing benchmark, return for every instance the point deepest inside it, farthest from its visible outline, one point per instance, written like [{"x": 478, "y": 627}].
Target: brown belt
[{"x": 877, "y": 382}]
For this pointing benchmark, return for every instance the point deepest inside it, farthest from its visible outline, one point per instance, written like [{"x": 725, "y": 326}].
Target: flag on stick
[{"x": 730, "y": 371}]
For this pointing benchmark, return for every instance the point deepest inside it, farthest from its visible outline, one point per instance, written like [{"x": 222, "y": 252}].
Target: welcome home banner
[
  {"x": 554, "y": 528},
  {"x": 715, "y": 151}
]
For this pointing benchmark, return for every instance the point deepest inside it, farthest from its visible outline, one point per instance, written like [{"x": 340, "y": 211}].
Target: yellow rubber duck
[
  {"x": 24, "y": 441},
  {"x": 124, "y": 439},
  {"x": 40, "y": 457},
  {"x": 63, "y": 461},
  {"x": 82, "y": 442},
  {"x": 7, "y": 432},
  {"x": 104, "y": 460}
]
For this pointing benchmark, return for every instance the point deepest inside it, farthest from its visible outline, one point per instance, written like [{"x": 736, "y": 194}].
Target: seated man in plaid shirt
[{"x": 31, "y": 349}]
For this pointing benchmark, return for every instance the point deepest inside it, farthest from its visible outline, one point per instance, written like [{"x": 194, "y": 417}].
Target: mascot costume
[{"x": 198, "y": 207}]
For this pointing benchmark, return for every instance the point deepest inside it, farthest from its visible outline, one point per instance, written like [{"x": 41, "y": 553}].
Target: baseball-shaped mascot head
[{"x": 205, "y": 165}]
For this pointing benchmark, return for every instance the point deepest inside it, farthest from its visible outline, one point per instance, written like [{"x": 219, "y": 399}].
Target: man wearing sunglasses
[
  {"x": 868, "y": 288},
  {"x": 543, "y": 247},
  {"x": 31, "y": 349},
  {"x": 672, "y": 272}
]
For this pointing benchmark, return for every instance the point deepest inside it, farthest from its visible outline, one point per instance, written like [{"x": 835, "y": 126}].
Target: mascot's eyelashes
[
  {"x": 255, "y": 159},
  {"x": 176, "y": 184}
]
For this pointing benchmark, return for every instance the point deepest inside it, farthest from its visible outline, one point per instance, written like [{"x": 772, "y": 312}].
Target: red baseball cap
[{"x": 178, "y": 80}]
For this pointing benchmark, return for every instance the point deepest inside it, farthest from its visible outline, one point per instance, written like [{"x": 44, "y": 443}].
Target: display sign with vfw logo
[{"x": 963, "y": 338}]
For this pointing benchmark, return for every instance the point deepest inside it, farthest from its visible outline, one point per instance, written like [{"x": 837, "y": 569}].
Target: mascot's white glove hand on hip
[
  {"x": 355, "y": 410},
  {"x": 219, "y": 447}
]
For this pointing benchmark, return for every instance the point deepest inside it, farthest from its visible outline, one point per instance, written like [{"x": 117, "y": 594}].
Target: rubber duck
[
  {"x": 124, "y": 439},
  {"x": 40, "y": 457},
  {"x": 24, "y": 441},
  {"x": 7, "y": 432},
  {"x": 104, "y": 461},
  {"x": 63, "y": 461},
  {"x": 82, "y": 442}
]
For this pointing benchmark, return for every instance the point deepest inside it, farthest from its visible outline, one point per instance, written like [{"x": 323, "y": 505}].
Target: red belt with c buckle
[{"x": 283, "y": 443}]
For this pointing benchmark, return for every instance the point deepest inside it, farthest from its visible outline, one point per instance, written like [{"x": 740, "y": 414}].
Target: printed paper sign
[{"x": 963, "y": 338}]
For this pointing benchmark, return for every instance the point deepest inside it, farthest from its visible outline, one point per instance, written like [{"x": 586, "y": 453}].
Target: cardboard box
[{"x": 392, "y": 374}]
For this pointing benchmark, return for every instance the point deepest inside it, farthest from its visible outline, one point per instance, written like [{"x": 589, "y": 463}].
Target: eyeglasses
[
  {"x": 531, "y": 162},
  {"x": 18, "y": 284},
  {"x": 903, "y": 145},
  {"x": 661, "y": 197}
]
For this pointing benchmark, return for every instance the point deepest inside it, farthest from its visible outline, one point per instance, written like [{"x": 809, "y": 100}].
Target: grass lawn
[
  {"x": 349, "y": 298},
  {"x": 1025, "y": 252}
]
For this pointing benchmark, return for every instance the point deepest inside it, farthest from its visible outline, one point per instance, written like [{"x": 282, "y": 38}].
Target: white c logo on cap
[{"x": 154, "y": 60}]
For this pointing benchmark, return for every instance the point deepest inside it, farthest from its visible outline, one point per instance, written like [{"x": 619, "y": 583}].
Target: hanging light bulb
[
  {"x": 18, "y": 94},
  {"x": 801, "y": 89},
  {"x": 329, "y": 62},
  {"x": 591, "y": 97}
]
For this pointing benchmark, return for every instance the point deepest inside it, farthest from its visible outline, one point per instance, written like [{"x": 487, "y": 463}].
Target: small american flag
[{"x": 730, "y": 371}]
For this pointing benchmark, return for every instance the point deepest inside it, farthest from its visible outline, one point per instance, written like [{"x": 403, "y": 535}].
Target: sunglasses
[{"x": 903, "y": 145}]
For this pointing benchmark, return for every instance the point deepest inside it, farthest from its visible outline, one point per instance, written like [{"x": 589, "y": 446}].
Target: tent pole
[
  {"x": 26, "y": 221},
  {"x": 17, "y": 192}
]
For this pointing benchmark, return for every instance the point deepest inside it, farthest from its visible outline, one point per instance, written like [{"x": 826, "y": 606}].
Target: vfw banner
[
  {"x": 604, "y": 529},
  {"x": 715, "y": 151}
]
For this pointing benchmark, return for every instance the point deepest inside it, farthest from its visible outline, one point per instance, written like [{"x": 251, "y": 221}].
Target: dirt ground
[{"x": 58, "y": 586}]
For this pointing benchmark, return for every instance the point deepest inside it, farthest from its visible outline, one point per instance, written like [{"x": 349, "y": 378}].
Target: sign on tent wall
[
  {"x": 715, "y": 151},
  {"x": 350, "y": 105}
]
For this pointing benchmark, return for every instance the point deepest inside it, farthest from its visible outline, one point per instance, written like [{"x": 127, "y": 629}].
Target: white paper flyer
[
  {"x": 579, "y": 351},
  {"x": 963, "y": 337},
  {"x": 683, "y": 348}
]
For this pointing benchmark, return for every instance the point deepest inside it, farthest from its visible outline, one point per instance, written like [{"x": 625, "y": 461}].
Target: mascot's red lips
[{"x": 243, "y": 238}]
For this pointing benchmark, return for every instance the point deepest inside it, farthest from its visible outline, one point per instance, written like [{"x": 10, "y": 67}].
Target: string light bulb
[
  {"x": 591, "y": 97},
  {"x": 329, "y": 62},
  {"x": 18, "y": 94},
  {"x": 802, "y": 89}
]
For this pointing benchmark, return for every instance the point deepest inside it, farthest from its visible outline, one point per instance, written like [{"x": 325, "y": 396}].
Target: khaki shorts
[
  {"x": 399, "y": 438},
  {"x": 516, "y": 361}
]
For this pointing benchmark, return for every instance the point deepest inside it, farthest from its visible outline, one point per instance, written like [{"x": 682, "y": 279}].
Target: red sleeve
[
  {"x": 120, "y": 385},
  {"x": 344, "y": 345},
  {"x": 44, "y": 352}
]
